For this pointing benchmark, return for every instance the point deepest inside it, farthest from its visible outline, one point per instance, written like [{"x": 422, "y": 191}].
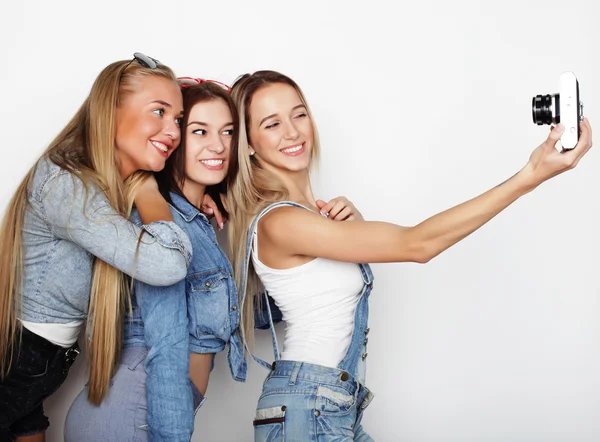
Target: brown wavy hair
[{"x": 172, "y": 177}]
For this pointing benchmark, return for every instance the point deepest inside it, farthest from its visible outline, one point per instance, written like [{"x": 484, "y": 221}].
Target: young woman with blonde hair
[
  {"x": 315, "y": 269},
  {"x": 67, "y": 246}
]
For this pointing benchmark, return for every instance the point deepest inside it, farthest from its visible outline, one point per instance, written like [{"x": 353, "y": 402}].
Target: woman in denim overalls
[{"x": 290, "y": 239}]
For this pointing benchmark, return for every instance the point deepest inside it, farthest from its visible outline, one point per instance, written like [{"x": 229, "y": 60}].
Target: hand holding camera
[
  {"x": 546, "y": 162},
  {"x": 564, "y": 112}
]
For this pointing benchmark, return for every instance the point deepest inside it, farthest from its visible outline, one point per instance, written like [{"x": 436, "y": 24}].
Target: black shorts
[{"x": 38, "y": 368}]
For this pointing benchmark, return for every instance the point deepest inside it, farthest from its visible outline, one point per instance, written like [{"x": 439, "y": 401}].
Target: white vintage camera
[{"x": 563, "y": 107}]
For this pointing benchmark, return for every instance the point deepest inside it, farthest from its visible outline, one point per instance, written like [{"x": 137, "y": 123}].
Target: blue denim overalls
[{"x": 309, "y": 402}]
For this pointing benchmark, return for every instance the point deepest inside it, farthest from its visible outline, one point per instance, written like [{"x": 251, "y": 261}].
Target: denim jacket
[
  {"x": 65, "y": 227},
  {"x": 199, "y": 315}
]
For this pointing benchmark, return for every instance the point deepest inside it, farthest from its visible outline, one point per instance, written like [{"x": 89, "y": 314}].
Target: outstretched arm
[{"x": 293, "y": 231}]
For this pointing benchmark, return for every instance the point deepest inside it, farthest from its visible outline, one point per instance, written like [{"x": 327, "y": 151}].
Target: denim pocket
[
  {"x": 335, "y": 413},
  {"x": 269, "y": 424},
  {"x": 333, "y": 400},
  {"x": 29, "y": 364},
  {"x": 208, "y": 304}
]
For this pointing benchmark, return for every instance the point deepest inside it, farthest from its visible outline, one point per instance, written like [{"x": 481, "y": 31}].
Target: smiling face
[
  {"x": 147, "y": 125},
  {"x": 281, "y": 132},
  {"x": 209, "y": 133}
]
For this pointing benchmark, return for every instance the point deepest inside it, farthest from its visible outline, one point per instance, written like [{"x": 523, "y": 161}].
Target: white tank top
[
  {"x": 63, "y": 335},
  {"x": 317, "y": 300}
]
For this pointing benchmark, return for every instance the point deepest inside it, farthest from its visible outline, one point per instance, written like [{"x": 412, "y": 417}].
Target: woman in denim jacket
[
  {"x": 66, "y": 240},
  {"x": 175, "y": 331},
  {"x": 316, "y": 390}
]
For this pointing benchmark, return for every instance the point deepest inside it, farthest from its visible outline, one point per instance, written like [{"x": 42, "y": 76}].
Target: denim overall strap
[
  {"x": 244, "y": 281},
  {"x": 354, "y": 359},
  {"x": 272, "y": 328}
]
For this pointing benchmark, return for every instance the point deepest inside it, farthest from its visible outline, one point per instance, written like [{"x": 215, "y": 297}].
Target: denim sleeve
[
  {"x": 168, "y": 387},
  {"x": 86, "y": 218}
]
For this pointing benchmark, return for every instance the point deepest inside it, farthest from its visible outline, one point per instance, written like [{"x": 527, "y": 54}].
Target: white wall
[{"x": 420, "y": 105}]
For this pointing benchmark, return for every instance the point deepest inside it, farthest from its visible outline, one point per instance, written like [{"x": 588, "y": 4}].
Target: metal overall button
[{"x": 344, "y": 376}]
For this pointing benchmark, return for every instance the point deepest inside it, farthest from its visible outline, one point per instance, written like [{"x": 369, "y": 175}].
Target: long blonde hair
[
  {"x": 85, "y": 148},
  {"x": 253, "y": 188}
]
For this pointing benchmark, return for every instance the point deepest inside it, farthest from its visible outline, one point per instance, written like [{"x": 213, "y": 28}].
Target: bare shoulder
[{"x": 281, "y": 223}]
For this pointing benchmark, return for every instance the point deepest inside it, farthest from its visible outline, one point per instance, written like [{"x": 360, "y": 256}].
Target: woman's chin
[
  {"x": 155, "y": 166},
  {"x": 207, "y": 179}
]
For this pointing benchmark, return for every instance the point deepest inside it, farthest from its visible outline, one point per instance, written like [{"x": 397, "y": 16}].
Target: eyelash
[
  {"x": 228, "y": 132},
  {"x": 161, "y": 113},
  {"x": 272, "y": 125}
]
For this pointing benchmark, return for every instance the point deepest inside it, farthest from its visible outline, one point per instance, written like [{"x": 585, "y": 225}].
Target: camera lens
[{"x": 545, "y": 109}]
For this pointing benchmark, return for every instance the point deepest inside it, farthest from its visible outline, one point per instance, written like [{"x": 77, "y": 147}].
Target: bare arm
[
  {"x": 150, "y": 204},
  {"x": 293, "y": 231}
]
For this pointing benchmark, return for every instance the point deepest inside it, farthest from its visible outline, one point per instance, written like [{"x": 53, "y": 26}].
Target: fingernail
[
  {"x": 560, "y": 127},
  {"x": 209, "y": 210},
  {"x": 221, "y": 226}
]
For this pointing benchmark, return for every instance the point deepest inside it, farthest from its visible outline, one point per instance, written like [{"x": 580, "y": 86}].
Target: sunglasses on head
[
  {"x": 144, "y": 60},
  {"x": 189, "y": 81}
]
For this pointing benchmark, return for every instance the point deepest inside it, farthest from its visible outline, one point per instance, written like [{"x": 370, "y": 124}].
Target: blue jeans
[
  {"x": 307, "y": 402},
  {"x": 122, "y": 415}
]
